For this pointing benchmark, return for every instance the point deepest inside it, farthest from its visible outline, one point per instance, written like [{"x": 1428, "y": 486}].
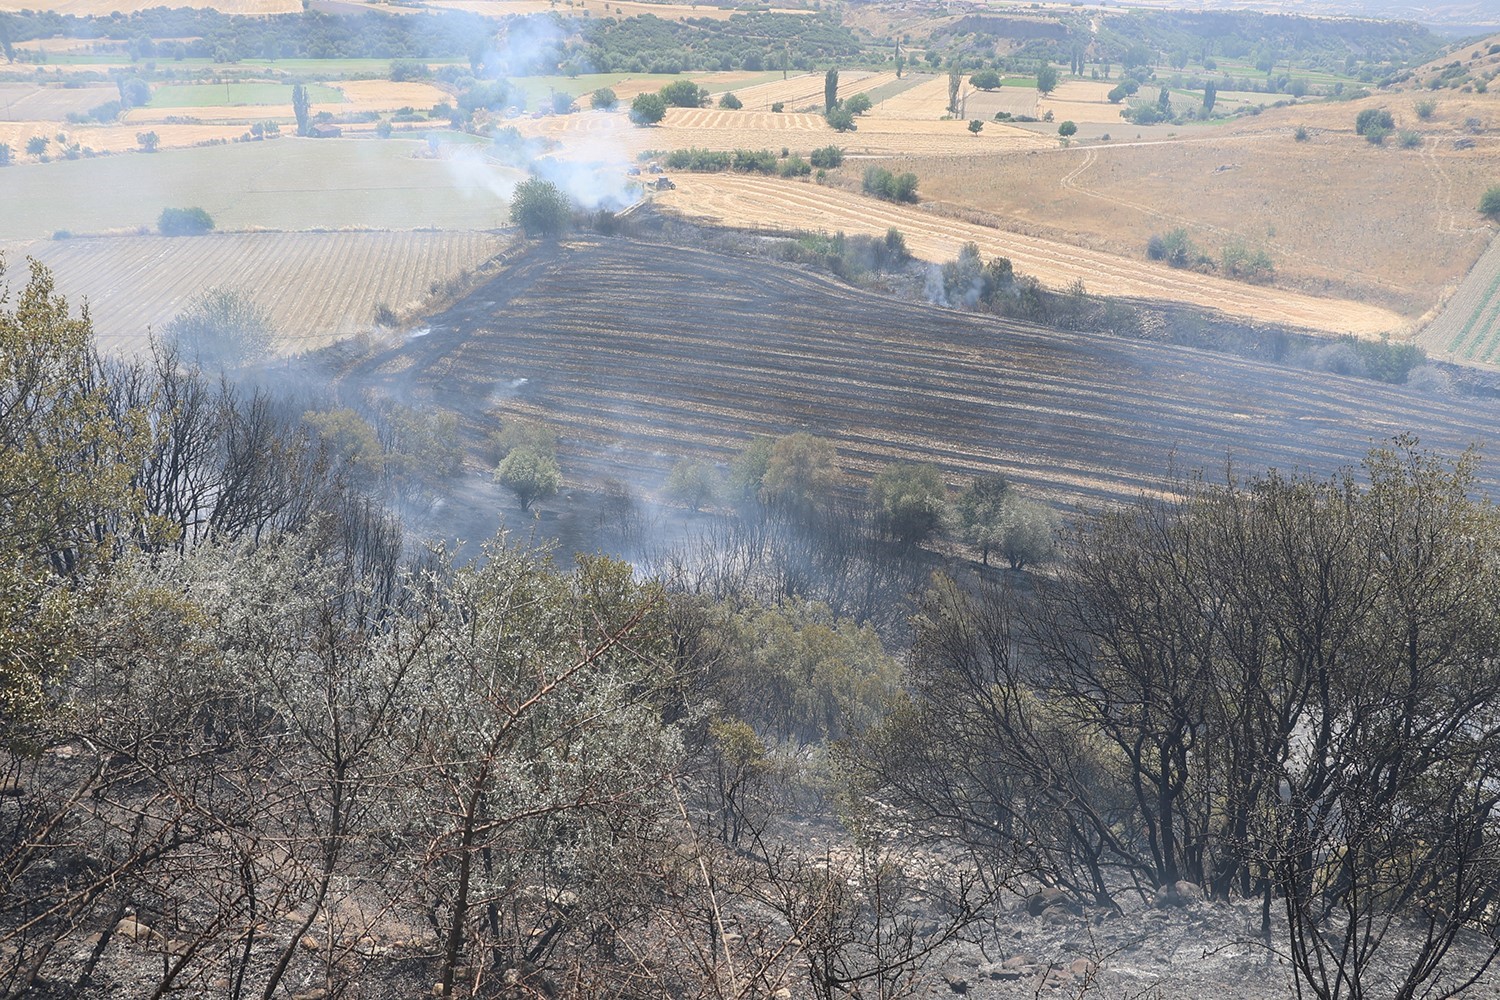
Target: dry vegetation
[
  {"x": 103, "y": 8},
  {"x": 788, "y": 205},
  {"x": 633, "y": 374},
  {"x": 317, "y": 287},
  {"x": 594, "y": 8},
  {"x": 1396, "y": 227},
  {"x": 111, "y": 138}
]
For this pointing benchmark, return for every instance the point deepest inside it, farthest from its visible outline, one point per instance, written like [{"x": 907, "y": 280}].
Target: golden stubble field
[
  {"x": 108, "y": 138},
  {"x": 1391, "y": 226},
  {"x": 741, "y": 200},
  {"x": 316, "y": 287}
]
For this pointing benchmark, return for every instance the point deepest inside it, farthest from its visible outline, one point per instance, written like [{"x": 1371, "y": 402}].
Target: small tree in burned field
[{"x": 540, "y": 208}]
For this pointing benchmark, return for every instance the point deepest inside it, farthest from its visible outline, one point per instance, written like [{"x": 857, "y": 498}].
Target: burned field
[{"x": 642, "y": 354}]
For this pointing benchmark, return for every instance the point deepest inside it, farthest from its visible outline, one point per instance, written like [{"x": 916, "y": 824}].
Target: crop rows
[
  {"x": 751, "y": 201},
  {"x": 665, "y": 353},
  {"x": 317, "y": 287},
  {"x": 1468, "y": 328}
]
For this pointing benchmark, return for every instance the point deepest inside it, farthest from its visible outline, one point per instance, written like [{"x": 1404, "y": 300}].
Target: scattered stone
[
  {"x": 1015, "y": 962},
  {"x": 132, "y": 929},
  {"x": 309, "y": 942},
  {"x": 1082, "y": 967},
  {"x": 958, "y": 984}
]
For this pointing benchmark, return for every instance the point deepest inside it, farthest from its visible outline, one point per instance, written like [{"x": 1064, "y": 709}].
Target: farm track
[
  {"x": 317, "y": 287},
  {"x": 751, "y": 201},
  {"x": 665, "y": 352},
  {"x": 1468, "y": 328}
]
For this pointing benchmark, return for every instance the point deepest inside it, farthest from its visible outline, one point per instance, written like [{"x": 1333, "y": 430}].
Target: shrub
[
  {"x": 731, "y": 103},
  {"x": 1489, "y": 202},
  {"x": 603, "y": 99},
  {"x": 827, "y": 157},
  {"x": 700, "y": 160},
  {"x": 755, "y": 161},
  {"x": 778, "y": 107},
  {"x": 858, "y": 104},
  {"x": 841, "y": 118},
  {"x": 1375, "y": 134},
  {"x": 408, "y": 69},
  {"x": 891, "y": 187},
  {"x": 221, "y": 328},
  {"x": 1301, "y": 135},
  {"x": 1067, "y": 129},
  {"x": 184, "y": 222},
  {"x": 1374, "y": 118},
  {"x": 985, "y": 80},
  {"x": 795, "y": 166},
  {"x": 975, "y": 126},
  {"x": 1425, "y": 109},
  {"x": 1409, "y": 138}
]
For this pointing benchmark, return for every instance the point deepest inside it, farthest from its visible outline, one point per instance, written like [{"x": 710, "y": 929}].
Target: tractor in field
[{"x": 665, "y": 184}]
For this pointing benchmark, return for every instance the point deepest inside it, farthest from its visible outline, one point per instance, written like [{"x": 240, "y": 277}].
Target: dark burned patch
[{"x": 642, "y": 354}]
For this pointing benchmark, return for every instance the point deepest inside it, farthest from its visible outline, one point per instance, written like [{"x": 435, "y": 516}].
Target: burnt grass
[{"x": 641, "y": 354}]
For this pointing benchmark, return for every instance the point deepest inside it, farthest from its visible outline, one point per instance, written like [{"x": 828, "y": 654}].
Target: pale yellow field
[
  {"x": 924, "y": 101},
  {"x": 317, "y": 287},
  {"x": 588, "y": 135},
  {"x": 108, "y": 138},
  {"x": 1083, "y": 102},
  {"x": 741, "y": 200},
  {"x": 595, "y": 8},
  {"x": 103, "y": 8},
  {"x": 806, "y": 89}
]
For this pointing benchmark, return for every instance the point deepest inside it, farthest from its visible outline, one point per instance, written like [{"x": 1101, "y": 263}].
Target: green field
[
  {"x": 289, "y": 184},
  {"x": 223, "y": 95}
]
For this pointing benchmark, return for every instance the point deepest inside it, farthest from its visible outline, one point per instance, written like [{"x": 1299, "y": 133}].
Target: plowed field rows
[
  {"x": 1468, "y": 328},
  {"x": 642, "y": 354},
  {"x": 925, "y": 101},
  {"x": 317, "y": 287},
  {"x": 752, "y": 201}
]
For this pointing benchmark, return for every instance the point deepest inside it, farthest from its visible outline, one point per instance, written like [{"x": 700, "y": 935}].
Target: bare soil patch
[
  {"x": 21, "y": 102},
  {"x": 739, "y": 200}
]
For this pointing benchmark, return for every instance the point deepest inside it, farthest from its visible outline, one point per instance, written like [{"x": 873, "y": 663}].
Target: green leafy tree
[
  {"x": 731, "y": 103},
  {"x": 1210, "y": 95},
  {"x": 1046, "y": 80},
  {"x": 747, "y": 474},
  {"x": 67, "y": 466},
  {"x": 692, "y": 484},
  {"x": 955, "y": 81},
  {"x": 981, "y": 513},
  {"x": 684, "y": 94},
  {"x": 858, "y": 104},
  {"x": 148, "y": 141},
  {"x": 5, "y": 155},
  {"x": 1425, "y": 109},
  {"x": 801, "y": 472},
  {"x": 648, "y": 109},
  {"x": 841, "y": 119},
  {"x": 529, "y": 474},
  {"x": 539, "y": 207},
  {"x": 975, "y": 126},
  {"x": 830, "y": 90},
  {"x": 986, "y": 80},
  {"x": 1067, "y": 129},
  {"x": 301, "y": 107},
  {"x": 221, "y": 328},
  {"x": 1029, "y": 534},
  {"x": 603, "y": 99},
  {"x": 910, "y": 501},
  {"x": 37, "y": 146}
]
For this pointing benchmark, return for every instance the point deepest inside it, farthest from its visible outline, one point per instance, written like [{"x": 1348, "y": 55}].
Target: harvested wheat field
[
  {"x": 1396, "y": 227},
  {"x": 588, "y": 135},
  {"x": 806, "y": 90},
  {"x": 926, "y": 100},
  {"x": 740, "y": 200},
  {"x": 666, "y": 352},
  {"x": 1083, "y": 102},
  {"x": 317, "y": 287},
  {"x": 596, "y": 8},
  {"x": 109, "y": 138},
  {"x": 985, "y": 104}
]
